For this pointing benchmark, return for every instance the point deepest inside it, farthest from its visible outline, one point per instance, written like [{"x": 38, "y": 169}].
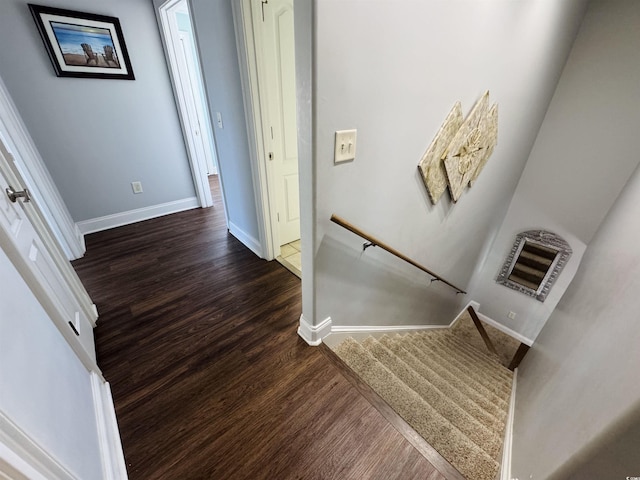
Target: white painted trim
[
  {"x": 507, "y": 330},
  {"x": 505, "y": 467},
  {"x": 108, "y": 435},
  {"x": 40, "y": 184},
  {"x": 15, "y": 468},
  {"x": 313, "y": 334},
  {"x": 138, "y": 215},
  {"x": 254, "y": 117},
  {"x": 198, "y": 165},
  {"x": 21, "y": 450},
  {"x": 248, "y": 241},
  {"x": 385, "y": 328}
]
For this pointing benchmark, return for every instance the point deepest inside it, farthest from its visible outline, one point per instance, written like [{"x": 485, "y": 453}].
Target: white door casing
[
  {"x": 278, "y": 86},
  {"x": 184, "y": 97}
]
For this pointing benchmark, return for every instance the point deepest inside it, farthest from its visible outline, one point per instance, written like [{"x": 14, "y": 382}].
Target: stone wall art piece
[{"x": 460, "y": 149}]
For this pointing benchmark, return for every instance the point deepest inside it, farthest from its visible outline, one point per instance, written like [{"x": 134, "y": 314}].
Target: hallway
[{"x": 197, "y": 337}]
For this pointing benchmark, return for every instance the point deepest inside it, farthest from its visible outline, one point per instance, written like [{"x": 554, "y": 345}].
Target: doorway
[
  {"x": 184, "y": 66},
  {"x": 269, "y": 43}
]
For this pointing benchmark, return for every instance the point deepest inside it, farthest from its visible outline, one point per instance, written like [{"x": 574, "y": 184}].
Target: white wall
[
  {"x": 44, "y": 388},
  {"x": 97, "y": 136},
  {"x": 581, "y": 159},
  {"x": 393, "y": 70},
  {"x": 578, "y": 386},
  {"x": 215, "y": 35}
]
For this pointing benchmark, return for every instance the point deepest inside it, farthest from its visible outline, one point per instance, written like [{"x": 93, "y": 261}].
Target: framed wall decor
[{"x": 83, "y": 44}]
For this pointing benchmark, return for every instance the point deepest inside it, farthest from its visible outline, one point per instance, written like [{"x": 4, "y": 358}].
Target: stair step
[
  {"x": 466, "y": 354},
  {"x": 450, "y": 358},
  {"x": 472, "y": 377},
  {"x": 484, "y": 356},
  {"x": 488, "y": 440},
  {"x": 454, "y": 445},
  {"x": 466, "y": 397}
]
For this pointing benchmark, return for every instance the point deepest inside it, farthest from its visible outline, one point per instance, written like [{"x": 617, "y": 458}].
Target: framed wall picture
[{"x": 83, "y": 44}]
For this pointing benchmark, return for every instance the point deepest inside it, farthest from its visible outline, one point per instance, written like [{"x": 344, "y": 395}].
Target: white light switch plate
[{"x": 345, "y": 149}]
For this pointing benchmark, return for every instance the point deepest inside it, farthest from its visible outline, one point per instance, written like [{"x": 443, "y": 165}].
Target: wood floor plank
[{"x": 197, "y": 337}]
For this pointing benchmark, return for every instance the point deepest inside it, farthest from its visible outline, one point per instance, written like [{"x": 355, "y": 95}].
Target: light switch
[{"x": 345, "y": 149}]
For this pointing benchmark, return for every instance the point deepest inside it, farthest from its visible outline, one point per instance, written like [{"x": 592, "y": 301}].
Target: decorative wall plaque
[{"x": 460, "y": 149}]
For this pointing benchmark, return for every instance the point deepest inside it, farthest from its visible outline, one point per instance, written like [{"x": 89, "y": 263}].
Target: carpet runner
[{"x": 455, "y": 395}]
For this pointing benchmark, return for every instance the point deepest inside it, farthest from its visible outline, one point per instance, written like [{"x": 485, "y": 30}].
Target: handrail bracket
[{"x": 366, "y": 245}]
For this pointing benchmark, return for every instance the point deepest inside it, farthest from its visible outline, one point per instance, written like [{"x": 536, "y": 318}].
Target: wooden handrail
[{"x": 375, "y": 242}]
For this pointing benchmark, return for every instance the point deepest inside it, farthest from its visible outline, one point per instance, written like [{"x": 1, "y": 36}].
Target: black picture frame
[{"x": 83, "y": 45}]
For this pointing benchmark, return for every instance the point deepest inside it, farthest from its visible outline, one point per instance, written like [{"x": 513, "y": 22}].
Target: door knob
[{"x": 13, "y": 195}]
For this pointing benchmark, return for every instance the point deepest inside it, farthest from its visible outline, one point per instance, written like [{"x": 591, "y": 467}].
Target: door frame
[
  {"x": 257, "y": 119},
  {"x": 198, "y": 165},
  {"x": 40, "y": 184}
]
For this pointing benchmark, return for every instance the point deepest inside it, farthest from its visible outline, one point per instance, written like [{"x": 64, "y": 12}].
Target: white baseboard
[
  {"x": 505, "y": 466},
  {"x": 138, "y": 215},
  {"x": 314, "y": 334},
  {"x": 247, "y": 240},
  {"x": 359, "y": 329},
  {"x": 25, "y": 456},
  {"x": 113, "y": 464},
  {"x": 502, "y": 328},
  {"x": 384, "y": 328}
]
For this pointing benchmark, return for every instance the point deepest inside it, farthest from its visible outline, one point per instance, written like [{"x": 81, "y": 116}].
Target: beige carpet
[
  {"x": 452, "y": 393},
  {"x": 505, "y": 345}
]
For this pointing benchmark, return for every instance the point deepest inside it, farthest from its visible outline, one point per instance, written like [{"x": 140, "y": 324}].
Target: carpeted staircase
[{"x": 452, "y": 393}]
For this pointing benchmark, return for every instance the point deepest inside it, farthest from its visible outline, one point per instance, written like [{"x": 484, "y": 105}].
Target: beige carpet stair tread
[
  {"x": 491, "y": 368},
  {"x": 467, "y": 332},
  {"x": 483, "y": 356},
  {"x": 455, "y": 446},
  {"x": 466, "y": 397},
  {"x": 481, "y": 352},
  {"x": 478, "y": 371},
  {"x": 467, "y": 352},
  {"x": 488, "y": 440},
  {"x": 471, "y": 374},
  {"x": 435, "y": 362}
]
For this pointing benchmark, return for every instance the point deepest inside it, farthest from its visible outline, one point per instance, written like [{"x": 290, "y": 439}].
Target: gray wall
[
  {"x": 97, "y": 136},
  {"x": 215, "y": 35},
  {"x": 581, "y": 377},
  {"x": 583, "y": 156},
  {"x": 393, "y": 70}
]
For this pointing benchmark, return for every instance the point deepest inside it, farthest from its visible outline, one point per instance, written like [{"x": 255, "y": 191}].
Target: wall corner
[{"x": 314, "y": 334}]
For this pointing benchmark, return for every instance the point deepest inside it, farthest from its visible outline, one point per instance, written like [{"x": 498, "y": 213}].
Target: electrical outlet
[
  {"x": 512, "y": 315},
  {"x": 137, "y": 187}
]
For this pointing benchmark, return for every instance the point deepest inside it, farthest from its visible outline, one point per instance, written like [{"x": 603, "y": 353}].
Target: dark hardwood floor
[{"x": 197, "y": 337}]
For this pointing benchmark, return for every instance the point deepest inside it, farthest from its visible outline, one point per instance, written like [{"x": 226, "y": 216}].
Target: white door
[
  {"x": 56, "y": 413},
  {"x": 279, "y": 65},
  {"x": 24, "y": 241},
  {"x": 187, "y": 49}
]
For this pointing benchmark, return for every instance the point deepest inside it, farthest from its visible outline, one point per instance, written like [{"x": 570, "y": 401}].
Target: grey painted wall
[
  {"x": 304, "y": 30},
  {"x": 97, "y": 136},
  {"x": 393, "y": 70},
  {"x": 215, "y": 35},
  {"x": 581, "y": 377},
  {"x": 584, "y": 154}
]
